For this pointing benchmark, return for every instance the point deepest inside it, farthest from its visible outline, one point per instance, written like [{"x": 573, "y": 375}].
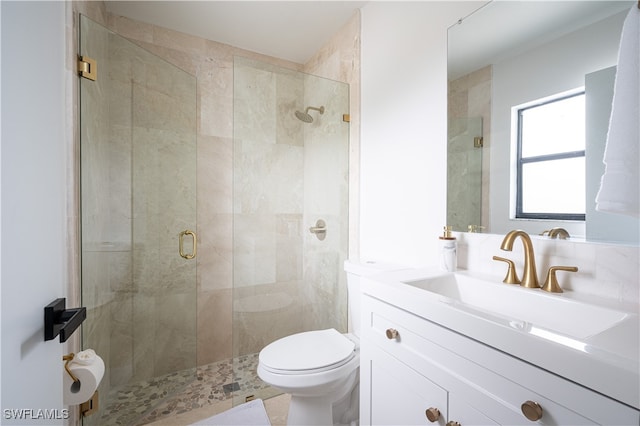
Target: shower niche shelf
[{"x": 61, "y": 321}]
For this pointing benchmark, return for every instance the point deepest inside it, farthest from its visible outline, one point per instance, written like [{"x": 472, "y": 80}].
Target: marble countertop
[{"x": 607, "y": 362}]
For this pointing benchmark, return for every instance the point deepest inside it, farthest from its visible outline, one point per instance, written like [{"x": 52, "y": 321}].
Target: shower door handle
[{"x": 181, "y": 244}]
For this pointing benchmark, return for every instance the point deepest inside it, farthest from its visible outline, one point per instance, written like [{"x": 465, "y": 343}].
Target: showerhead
[{"x": 304, "y": 116}]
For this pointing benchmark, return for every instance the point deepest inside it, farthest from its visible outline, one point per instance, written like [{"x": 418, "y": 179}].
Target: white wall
[
  {"x": 34, "y": 146},
  {"x": 404, "y": 128}
]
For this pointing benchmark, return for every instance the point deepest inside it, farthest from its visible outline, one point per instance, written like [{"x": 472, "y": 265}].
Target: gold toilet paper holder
[
  {"x": 68, "y": 358},
  {"x": 86, "y": 408}
]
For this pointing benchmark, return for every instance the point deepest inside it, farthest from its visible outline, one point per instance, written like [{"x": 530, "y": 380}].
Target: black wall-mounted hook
[{"x": 61, "y": 321}]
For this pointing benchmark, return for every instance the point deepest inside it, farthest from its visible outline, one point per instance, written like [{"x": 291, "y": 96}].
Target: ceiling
[
  {"x": 505, "y": 28},
  {"x": 296, "y": 30},
  {"x": 291, "y": 30}
]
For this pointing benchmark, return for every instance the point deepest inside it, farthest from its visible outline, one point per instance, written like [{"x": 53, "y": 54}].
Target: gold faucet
[
  {"x": 529, "y": 276},
  {"x": 559, "y": 233}
]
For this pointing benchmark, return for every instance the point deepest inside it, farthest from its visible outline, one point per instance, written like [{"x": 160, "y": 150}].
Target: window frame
[{"x": 519, "y": 213}]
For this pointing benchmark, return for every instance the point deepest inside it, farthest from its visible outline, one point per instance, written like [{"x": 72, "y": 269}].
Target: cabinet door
[
  {"x": 466, "y": 415},
  {"x": 401, "y": 396}
]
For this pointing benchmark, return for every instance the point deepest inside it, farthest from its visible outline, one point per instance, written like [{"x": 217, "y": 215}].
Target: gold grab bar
[{"x": 181, "y": 244}]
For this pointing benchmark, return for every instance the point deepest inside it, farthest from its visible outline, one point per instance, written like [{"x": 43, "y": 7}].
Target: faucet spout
[
  {"x": 559, "y": 233},
  {"x": 529, "y": 275}
]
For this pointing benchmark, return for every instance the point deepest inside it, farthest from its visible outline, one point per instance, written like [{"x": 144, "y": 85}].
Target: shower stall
[
  {"x": 152, "y": 233},
  {"x": 290, "y": 173}
]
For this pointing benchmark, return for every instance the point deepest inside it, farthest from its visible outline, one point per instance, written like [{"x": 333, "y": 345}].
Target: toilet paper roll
[{"x": 89, "y": 369}]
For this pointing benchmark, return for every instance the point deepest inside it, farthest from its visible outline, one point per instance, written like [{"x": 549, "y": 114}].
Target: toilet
[{"x": 320, "y": 369}]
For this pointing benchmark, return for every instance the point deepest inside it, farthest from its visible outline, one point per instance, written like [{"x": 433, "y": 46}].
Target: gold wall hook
[{"x": 68, "y": 358}]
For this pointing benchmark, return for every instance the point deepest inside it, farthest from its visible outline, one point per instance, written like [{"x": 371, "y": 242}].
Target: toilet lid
[{"x": 307, "y": 351}]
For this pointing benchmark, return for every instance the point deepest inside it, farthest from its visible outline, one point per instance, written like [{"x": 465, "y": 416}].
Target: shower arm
[{"x": 320, "y": 110}]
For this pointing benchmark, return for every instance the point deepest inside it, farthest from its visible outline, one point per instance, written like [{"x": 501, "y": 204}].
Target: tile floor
[
  {"x": 277, "y": 408},
  {"x": 187, "y": 396}
]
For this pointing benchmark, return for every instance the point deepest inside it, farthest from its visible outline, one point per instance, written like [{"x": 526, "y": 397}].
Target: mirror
[{"x": 509, "y": 53}]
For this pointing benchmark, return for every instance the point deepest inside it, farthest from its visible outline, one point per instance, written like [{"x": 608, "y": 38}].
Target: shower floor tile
[{"x": 177, "y": 393}]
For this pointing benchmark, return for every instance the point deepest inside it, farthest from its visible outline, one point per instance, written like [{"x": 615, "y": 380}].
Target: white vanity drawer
[{"x": 453, "y": 362}]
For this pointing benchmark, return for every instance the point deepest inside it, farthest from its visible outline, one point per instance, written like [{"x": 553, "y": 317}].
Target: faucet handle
[
  {"x": 551, "y": 282},
  {"x": 512, "y": 276}
]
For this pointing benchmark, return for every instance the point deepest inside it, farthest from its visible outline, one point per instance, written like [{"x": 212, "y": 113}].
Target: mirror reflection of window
[{"x": 550, "y": 162}]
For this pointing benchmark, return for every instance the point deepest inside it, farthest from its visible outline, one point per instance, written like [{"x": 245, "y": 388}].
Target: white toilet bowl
[{"x": 320, "y": 370}]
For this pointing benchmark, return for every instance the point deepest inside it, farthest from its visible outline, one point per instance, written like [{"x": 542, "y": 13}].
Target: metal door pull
[{"x": 194, "y": 248}]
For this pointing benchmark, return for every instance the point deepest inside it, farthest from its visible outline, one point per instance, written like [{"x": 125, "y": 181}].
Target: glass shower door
[
  {"x": 288, "y": 174},
  {"x": 138, "y": 201},
  {"x": 465, "y": 184}
]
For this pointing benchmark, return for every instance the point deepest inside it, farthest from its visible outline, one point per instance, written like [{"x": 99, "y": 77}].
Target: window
[{"x": 551, "y": 159}]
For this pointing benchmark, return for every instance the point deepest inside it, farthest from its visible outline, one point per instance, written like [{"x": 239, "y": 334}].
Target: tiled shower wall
[
  {"x": 287, "y": 175},
  {"x": 212, "y": 64},
  {"x": 470, "y": 97}
]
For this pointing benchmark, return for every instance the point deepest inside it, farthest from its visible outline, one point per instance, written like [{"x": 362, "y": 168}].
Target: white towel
[{"x": 620, "y": 184}]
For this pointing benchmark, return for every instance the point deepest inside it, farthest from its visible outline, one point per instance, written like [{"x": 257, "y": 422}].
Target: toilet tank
[{"x": 355, "y": 271}]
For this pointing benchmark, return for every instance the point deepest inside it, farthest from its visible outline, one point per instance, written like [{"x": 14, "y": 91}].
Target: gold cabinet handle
[
  {"x": 392, "y": 333},
  {"x": 453, "y": 423},
  {"x": 194, "y": 248},
  {"x": 532, "y": 410},
  {"x": 433, "y": 414}
]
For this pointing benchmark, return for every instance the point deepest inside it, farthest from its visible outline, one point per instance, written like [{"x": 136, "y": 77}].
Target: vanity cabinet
[
  {"x": 411, "y": 366},
  {"x": 403, "y": 396}
]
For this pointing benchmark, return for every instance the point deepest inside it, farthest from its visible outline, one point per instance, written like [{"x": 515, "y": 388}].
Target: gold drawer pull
[
  {"x": 532, "y": 410},
  {"x": 433, "y": 414},
  {"x": 392, "y": 333},
  {"x": 453, "y": 423}
]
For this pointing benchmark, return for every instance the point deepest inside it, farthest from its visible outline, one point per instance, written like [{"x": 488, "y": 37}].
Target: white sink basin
[{"x": 531, "y": 310}]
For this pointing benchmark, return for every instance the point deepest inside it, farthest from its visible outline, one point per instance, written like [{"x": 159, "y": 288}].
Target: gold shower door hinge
[
  {"x": 87, "y": 68},
  {"x": 91, "y": 406},
  {"x": 478, "y": 142}
]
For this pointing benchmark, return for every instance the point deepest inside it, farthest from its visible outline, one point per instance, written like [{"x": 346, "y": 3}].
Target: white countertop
[{"x": 608, "y": 362}]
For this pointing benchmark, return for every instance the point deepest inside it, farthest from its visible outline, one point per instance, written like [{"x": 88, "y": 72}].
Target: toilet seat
[{"x": 308, "y": 352}]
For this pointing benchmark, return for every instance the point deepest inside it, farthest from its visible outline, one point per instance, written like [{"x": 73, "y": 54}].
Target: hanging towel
[{"x": 620, "y": 184}]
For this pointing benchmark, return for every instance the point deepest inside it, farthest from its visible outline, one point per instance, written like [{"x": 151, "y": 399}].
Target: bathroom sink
[{"x": 530, "y": 310}]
